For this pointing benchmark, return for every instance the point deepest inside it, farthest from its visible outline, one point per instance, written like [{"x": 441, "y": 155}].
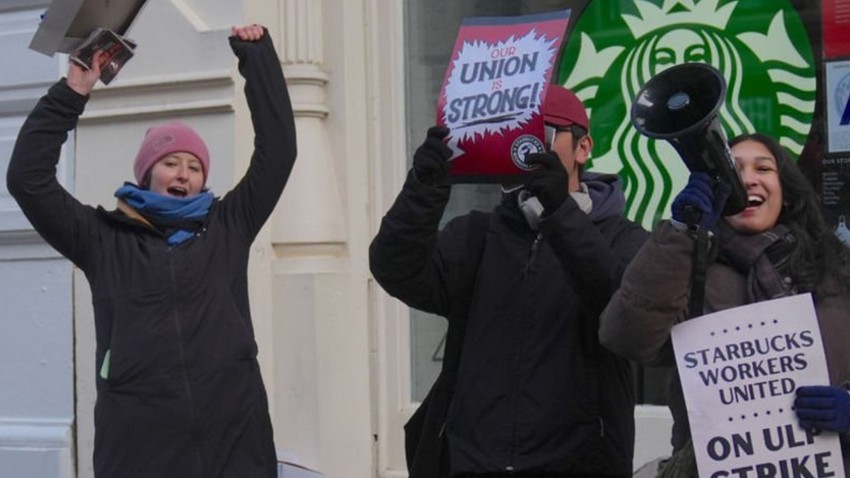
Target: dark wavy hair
[{"x": 819, "y": 254}]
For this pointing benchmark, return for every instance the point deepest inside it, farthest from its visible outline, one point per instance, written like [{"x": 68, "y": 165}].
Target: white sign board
[{"x": 739, "y": 370}]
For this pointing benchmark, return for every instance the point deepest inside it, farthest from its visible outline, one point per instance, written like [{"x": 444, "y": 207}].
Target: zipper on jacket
[
  {"x": 182, "y": 355},
  {"x": 179, "y": 329},
  {"x": 530, "y": 267}
]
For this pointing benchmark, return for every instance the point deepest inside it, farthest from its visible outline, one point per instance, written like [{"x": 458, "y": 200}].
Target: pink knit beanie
[{"x": 163, "y": 140}]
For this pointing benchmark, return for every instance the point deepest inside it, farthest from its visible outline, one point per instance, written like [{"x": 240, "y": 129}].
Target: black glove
[
  {"x": 431, "y": 161},
  {"x": 700, "y": 202},
  {"x": 550, "y": 182}
]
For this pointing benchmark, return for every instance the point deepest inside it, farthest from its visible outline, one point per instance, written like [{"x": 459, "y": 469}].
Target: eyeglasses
[{"x": 550, "y": 131}]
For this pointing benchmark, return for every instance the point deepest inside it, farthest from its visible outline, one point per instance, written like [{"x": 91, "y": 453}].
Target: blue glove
[
  {"x": 823, "y": 408},
  {"x": 701, "y": 201}
]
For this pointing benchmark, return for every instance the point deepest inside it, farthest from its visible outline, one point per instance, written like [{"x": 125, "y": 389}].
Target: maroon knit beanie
[
  {"x": 561, "y": 107},
  {"x": 160, "y": 141}
]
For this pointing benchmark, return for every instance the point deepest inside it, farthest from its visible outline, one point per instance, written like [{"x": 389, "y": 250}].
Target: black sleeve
[
  {"x": 31, "y": 177},
  {"x": 249, "y": 204},
  {"x": 410, "y": 258},
  {"x": 593, "y": 258}
]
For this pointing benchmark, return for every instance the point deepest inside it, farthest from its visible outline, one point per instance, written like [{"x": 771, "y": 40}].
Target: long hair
[{"x": 819, "y": 254}]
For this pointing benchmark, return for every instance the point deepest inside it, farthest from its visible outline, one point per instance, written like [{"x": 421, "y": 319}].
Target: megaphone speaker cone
[
  {"x": 681, "y": 105},
  {"x": 678, "y": 100}
]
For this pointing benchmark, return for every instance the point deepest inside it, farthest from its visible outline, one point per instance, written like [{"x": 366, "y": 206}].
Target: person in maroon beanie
[
  {"x": 526, "y": 390},
  {"x": 179, "y": 390}
]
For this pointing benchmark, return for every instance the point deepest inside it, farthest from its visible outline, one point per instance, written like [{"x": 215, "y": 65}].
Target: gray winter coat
[{"x": 654, "y": 296}]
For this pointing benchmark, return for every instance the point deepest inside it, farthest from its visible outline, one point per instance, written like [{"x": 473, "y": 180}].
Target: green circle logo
[{"x": 760, "y": 46}]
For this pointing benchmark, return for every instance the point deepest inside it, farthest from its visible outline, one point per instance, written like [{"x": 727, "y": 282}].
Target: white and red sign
[{"x": 493, "y": 91}]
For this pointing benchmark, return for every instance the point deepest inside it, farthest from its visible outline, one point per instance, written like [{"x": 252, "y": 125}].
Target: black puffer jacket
[
  {"x": 535, "y": 391},
  {"x": 182, "y": 394}
]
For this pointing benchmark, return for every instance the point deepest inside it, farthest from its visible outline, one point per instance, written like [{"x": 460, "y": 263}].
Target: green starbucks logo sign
[{"x": 760, "y": 46}]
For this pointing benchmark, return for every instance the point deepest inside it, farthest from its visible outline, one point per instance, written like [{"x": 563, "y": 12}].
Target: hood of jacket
[{"x": 606, "y": 193}]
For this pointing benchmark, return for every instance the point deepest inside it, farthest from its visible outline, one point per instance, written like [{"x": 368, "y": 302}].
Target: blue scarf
[{"x": 157, "y": 206}]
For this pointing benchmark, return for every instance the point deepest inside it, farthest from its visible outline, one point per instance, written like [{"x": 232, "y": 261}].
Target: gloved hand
[
  {"x": 700, "y": 203},
  {"x": 550, "y": 182},
  {"x": 823, "y": 408},
  {"x": 431, "y": 160}
]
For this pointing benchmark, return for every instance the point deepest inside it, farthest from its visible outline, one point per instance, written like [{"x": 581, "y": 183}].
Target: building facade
[{"x": 344, "y": 364}]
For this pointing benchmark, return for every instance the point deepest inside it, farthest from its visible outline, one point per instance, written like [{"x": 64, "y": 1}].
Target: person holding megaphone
[
  {"x": 525, "y": 388},
  {"x": 777, "y": 245}
]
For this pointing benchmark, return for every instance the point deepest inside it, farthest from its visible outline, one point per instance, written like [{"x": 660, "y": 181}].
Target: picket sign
[{"x": 739, "y": 370}]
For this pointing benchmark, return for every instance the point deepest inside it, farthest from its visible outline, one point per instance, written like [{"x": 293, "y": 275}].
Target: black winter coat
[
  {"x": 183, "y": 396},
  {"x": 535, "y": 392}
]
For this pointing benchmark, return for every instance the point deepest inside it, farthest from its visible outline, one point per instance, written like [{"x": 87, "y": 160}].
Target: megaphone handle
[{"x": 691, "y": 216}]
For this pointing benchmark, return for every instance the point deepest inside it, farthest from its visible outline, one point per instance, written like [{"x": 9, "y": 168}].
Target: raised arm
[
  {"x": 251, "y": 202},
  {"x": 409, "y": 257},
  {"x": 31, "y": 176},
  {"x": 592, "y": 247},
  {"x": 652, "y": 298},
  {"x": 594, "y": 255}
]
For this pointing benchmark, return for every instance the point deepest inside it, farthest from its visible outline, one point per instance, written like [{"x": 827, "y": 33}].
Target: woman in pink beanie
[
  {"x": 179, "y": 387},
  {"x": 170, "y": 139}
]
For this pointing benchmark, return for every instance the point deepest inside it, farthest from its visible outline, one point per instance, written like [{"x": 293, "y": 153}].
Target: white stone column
[
  {"x": 309, "y": 217},
  {"x": 309, "y": 241}
]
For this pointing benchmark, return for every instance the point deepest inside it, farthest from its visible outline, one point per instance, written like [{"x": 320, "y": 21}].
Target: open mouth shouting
[
  {"x": 178, "y": 191},
  {"x": 754, "y": 201}
]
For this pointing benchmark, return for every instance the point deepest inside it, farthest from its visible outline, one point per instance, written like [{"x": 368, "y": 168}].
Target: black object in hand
[
  {"x": 431, "y": 160},
  {"x": 549, "y": 182}
]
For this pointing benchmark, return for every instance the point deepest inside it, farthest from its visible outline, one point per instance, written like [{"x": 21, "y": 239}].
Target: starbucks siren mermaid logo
[{"x": 760, "y": 47}]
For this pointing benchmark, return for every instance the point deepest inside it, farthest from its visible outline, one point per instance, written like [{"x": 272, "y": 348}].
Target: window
[{"x": 431, "y": 29}]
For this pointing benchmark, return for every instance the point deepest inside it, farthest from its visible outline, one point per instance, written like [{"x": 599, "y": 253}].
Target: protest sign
[
  {"x": 836, "y": 35},
  {"x": 837, "y": 104},
  {"x": 67, "y": 24},
  {"x": 116, "y": 49},
  {"x": 739, "y": 370},
  {"x": 493, "y": 90}
]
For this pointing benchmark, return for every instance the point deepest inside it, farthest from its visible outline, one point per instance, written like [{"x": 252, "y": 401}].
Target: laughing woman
[
  {"x": 778, "y": 246},
  {"x": 179, "y": 391}
]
